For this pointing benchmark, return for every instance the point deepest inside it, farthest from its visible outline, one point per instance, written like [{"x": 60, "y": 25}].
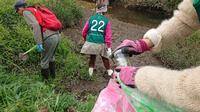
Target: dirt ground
[{"x": 121, "y": 31}]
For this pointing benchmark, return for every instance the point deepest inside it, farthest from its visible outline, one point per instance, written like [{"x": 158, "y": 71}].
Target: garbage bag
[{"x": 112, "y": 99}]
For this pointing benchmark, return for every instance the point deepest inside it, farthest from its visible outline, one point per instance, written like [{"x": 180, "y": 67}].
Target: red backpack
[{"x": 46, "y": 18}]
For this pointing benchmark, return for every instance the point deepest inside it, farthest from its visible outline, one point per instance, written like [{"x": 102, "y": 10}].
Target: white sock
[
  {"x": 91, "y": 71},
  {"x": 110, "y": 72}
]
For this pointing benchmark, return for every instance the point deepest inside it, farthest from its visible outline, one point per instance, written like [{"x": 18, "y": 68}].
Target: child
[{"x": 98, "y": 36}]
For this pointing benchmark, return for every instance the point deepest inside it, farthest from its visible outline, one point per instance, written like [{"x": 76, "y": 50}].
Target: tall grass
[
  {"x": 21, "y": 89},
  {"x": 17, "y": 37},
  {"x": 24, "y": 93}
]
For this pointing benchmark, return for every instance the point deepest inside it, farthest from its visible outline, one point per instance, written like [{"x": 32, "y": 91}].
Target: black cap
[{"x": 20, "y": 4}]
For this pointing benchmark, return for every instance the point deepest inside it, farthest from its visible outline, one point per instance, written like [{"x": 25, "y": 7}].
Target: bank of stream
[{"x": 126, "y": 24}]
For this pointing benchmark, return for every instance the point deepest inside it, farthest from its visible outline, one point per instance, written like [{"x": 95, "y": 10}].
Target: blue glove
[{"x": 39, "y": 48}]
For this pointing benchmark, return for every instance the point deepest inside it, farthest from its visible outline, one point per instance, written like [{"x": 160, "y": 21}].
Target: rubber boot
[
  {"x": 52, "y": 68},
  {"x": 45, "y": 74}
]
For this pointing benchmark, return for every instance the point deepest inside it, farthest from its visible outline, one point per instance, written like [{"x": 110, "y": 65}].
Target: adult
[{"x": 47, "y": 39}]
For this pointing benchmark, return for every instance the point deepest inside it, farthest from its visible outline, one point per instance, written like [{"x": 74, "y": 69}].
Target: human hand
[
  {"x": 40, "y": 48},
  {"x": 126, "y": 74},
  {"x": 131, "y": 47}
]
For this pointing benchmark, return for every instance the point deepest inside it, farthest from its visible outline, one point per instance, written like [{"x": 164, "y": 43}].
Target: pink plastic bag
[
  {"x": 127, "y": 74},
  {"x": 112, "y": 99}
]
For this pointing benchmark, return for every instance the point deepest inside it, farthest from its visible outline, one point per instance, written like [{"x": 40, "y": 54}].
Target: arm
[
  {"x": 108, "y": 35},
  {"x": 85, "y": 30},
  {"x": 180, "y": 88},
  {"x": 31, "y": 20},
  {"x": 184, "y": 22}
]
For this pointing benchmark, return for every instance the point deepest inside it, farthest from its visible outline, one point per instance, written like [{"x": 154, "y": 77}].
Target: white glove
[{"x": 109, "y": 52}]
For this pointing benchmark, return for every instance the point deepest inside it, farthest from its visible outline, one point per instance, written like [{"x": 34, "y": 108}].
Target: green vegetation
[
  {"x": 24, "y": 93},
  {"x": 67, "y": 11},
  {"x": 184, "y": 54},
  {"x": 21, "y": 89},
  {"x": 16, "y": 37},
  {"x": 166, "y": 5}
]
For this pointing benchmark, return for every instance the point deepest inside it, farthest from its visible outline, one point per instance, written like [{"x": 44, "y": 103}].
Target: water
[
  {"x": 132, "y": 16},
  {"x": 137, "y": 17}
]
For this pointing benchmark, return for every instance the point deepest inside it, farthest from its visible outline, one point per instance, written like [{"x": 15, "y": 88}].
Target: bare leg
[
  {"x": 106, "y": 62},
  {"x": 92, "y": 64},
  {"x": 107, "y": 65},
  {"x": 92, "y": 61}
]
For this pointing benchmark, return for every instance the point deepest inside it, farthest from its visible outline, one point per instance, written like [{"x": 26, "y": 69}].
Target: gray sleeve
[{"x": 31, "y": 20}]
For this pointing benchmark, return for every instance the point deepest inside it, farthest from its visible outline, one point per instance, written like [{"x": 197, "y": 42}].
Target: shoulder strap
[{"x": 37, "y": 15}]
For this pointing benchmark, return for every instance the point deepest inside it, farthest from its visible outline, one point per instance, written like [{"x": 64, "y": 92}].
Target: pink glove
[
  {"x": 127, "y": 74},
  {"x": 134, "y": 47}
]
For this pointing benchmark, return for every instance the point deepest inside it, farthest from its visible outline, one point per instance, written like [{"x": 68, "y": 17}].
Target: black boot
[
  {"x": 45, "y": 74},
  {"x": 52, "y": 68}
]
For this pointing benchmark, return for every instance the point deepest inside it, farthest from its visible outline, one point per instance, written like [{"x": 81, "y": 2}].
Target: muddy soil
[{"x": 121, "y": 30}]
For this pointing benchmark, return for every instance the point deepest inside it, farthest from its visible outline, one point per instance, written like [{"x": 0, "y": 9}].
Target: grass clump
[{"x": 184, "y": 54}]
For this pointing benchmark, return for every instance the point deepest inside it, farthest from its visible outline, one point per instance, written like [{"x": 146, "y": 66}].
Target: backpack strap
[{"x": 37, "y": 15}]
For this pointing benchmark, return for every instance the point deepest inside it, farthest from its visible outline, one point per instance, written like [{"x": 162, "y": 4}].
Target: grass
[
  {"x": 183, "y": 54},
  {"x": 24, "y": 93},
  {"x": 68, "y": 12},
  {"x": 166, "y": 5},
  {"x": 21, "y": 89},
  {"x": 16, "y": 37}
]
